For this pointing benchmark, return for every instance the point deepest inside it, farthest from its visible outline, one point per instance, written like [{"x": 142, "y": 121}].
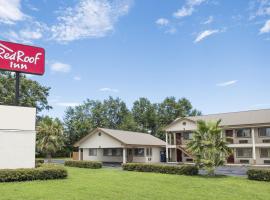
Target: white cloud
[
  {"x": 60, "y": 67},
  {"x": 33, "y": 30},
  {"x": 32, "y": 35},
  {"x": 205, "y": 34},
  {"x": 228, "y": 83},
  {"x": 108, "y": 90},
  {"x": 162, "y": 22},
  {"x": 77, "y": 78},
  {"x": 266, "y": 27},
  {"x": 67, "y": 104},
  {"x": 89, "y": 19},
  {"x": 10, "y": 11},
  {"x": 209, "y": 20},
  {"x": 188, "y": 8}
]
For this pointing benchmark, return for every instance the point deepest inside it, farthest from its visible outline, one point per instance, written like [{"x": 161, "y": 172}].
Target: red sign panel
[{"x": 22, "y": 58}]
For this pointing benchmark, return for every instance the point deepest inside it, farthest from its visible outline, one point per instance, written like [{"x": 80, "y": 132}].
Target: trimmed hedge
[
  {"x": 83, "y": 164},
  {"x": 39, "y": 162},
  {"x": 45, "y": 172},
  {"x": 259, "y": 174},
  {"x": 164, "y": 169}
]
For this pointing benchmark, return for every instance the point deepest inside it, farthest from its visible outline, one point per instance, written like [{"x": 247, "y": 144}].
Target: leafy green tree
[
  {"x": 80, "y": 120},
  {"x": 208, "y": 147},
  {"x": 31, "y": 92},
  {"x": 170, "y": 109},
  {"x": 50, "y": 138},
  {"x": 145, "y": 115}
]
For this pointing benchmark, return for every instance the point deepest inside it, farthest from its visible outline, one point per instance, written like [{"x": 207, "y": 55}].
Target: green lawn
[{"x": 117, "y": 184}]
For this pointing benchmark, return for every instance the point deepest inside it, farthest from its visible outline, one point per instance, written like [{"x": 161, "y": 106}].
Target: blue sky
[{"x": 213, "y": 52}]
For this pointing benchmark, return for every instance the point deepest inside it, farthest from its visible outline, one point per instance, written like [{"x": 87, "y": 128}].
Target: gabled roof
[
  {"x": 234, "y": 118},
  {"x": 127, "y": 137}
]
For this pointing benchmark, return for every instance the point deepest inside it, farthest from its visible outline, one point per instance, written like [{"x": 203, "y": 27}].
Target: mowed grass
[{"x": 87, "y": 184}]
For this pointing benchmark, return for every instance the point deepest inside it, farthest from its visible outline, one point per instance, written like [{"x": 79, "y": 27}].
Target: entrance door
[
  {"x": 179, "y": 155},
  {"x": 81, "y": 154},
  {"x": 230, "y": 159},
  {"x": 129, "y": 155}
]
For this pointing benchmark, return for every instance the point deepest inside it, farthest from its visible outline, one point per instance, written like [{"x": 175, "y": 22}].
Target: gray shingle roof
[
  {"x": 238, "y": 118},
  {"x": 130, "y": 138}
]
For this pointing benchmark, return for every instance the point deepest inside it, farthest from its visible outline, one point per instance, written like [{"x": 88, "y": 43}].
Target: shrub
[
  {"x": 45, "y": 172},
  {"x": 39, "y": 162},
  {"x": 164, "y": 169},
  {"x": 83, "y": 164},
  {"x": 259, "y": 174}
]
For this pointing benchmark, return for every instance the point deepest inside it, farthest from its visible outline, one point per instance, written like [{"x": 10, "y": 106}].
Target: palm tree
[
  {"x": 208, "y": 147},
  {"x": 50, "y": 136}
]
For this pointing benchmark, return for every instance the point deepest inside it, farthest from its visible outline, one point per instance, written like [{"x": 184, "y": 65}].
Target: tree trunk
[{"x": 49, "y": 157}]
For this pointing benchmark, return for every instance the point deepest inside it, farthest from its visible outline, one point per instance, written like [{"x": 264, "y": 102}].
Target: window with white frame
[
  {"x": 92, "y": 152},
  {"x": 243, "y": 132},
  {"x": 139, "y": 152},
  {"x": 264, "y": 132},
  {"x": 187, "y": 136},
  {"x": 113, "y": 152},
  {"x": 244, "y": 152},
  {"x": 149, "y": 152},
  {"x": 265, "y": 152}
]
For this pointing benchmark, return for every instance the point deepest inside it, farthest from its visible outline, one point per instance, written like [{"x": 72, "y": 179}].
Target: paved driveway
[{"x": 230, "y": 171}]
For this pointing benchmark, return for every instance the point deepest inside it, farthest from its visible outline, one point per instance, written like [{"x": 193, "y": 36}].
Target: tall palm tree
[
  {"x": 208, "y": 147},
  {"x": 50, "y": 136}
]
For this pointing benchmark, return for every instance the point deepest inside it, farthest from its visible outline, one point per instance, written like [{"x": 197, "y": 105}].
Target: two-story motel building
[{"x": 247, "y": 132}]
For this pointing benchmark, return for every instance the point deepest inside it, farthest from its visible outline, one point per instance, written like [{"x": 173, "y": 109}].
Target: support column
[
  {"x": 79, "y": 154},
  {"x": 124, "y": 155},
  {"x": 167, "y": 151},
  {"x": 253, "y": 146},
  {"x": 174, "y": 138}
]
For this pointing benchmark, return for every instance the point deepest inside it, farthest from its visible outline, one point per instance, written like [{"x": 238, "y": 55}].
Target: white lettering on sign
[{"x": 17, "y": 56}]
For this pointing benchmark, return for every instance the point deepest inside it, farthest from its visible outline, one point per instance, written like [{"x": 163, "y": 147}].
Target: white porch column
[
  {"x": 79, "y": 154},
  {"x": 253, "y": 146},
  {"x": 167, "y": 151},
  {"x": 174, "y": 138},
  {"x": 124, "y": 155}
]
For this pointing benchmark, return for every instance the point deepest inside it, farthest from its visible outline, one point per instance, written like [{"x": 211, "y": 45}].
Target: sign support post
[{"x": 17, "y": 88}]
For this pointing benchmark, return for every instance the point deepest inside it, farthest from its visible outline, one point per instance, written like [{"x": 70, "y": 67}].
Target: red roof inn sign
[{"x": 22, "y": 58}]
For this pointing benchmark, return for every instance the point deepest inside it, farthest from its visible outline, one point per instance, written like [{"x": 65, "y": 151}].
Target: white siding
[
  {"x": 102, "y": 141},
  {"x": 182, "y": 125},
  {"x": 17, "y": 137},
  {"x": 100, "y": 157},
  {"x": 17, "y": 118},
  {"x": 17, "y": 149}
]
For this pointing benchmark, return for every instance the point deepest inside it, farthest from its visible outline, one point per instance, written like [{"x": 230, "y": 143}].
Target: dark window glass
[
  {"x": 139, "y": 152},
  {"x": 92, "y": 152},
  {"x": 244, "y": 153},
  {"x": 265, "y": 153},
  {"x": 264, "y": 132},
  {"x": 187, "y": 136},
  {"x": 244, "y": 132}
]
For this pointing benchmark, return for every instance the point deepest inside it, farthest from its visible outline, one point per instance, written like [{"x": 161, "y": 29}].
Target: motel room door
[
  {"x": 129, "y": 155},
  {"x": 81, "y": 154},
  {"x": 179, "y": 155}
]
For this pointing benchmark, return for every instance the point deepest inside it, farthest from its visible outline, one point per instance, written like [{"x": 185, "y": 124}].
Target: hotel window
[
  {"x": 244, "y": 153},
  {"x": 187, "y": 136},
  {"x": 149, "y": 152},
  {"x": 107, "y": 152},
  {"x": 92, "y": 152},
  {"x": 264, "y": 132},
  {"x": 244, "y": 132},
  {"x": 139, "y": 152},
  {"x": 117, "y": 152},
  {"x": 265, "y": 152},
  {"x": 112, "y": 152}
]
